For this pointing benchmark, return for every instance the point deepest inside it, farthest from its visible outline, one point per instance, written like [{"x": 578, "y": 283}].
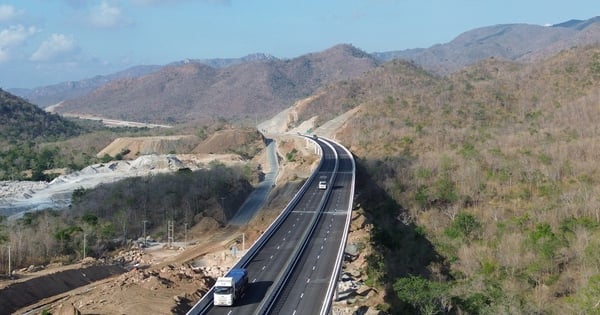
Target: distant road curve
[
  {"x": 114, "y": 122},
  {"x": 257, "y": 198},
  {"x": 106, "y": 121}
]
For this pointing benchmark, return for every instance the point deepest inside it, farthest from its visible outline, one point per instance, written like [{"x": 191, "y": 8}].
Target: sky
[{"x": 45, "y": 42}]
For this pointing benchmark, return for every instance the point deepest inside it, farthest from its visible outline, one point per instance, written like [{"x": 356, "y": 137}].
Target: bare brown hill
[
  {"x": 516, "y": 42},
  {"x": 225, "y": 141},
  {"x": 48, "y": 95},
  {"x": 136, "y": 146},
  {"x": 243, "y": 142},
  {"x": 483, "y": 183},
  {"x": 197, "y": 92}
]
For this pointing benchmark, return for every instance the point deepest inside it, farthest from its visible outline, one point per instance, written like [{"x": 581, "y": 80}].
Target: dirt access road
[{"x": 155, "y": 280}]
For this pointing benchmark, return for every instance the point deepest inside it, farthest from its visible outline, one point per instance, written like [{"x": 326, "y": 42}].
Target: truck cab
[
  {"x": 224, "y": 292},
  {"x": 230, "y": 288}
]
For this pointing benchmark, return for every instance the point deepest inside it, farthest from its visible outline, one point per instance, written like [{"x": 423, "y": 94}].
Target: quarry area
[{"x": 20, "y": 196}]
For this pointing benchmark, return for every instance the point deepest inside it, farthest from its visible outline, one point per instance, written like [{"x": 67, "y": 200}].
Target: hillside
[
  {"x": 44, "y": 96},
  {"x": 52, "y": 94},
  {"x": 22, "y": 121},
  {"x": 515, "y": 42},
  {"x": 243, "y": 92},
  {"x": 481, "y": 186}
]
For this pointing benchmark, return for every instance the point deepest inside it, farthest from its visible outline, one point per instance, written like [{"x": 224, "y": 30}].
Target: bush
[
  {"x": 291, "y": 156},
  {"x": 464, "y": 225},
  {"x": 424, "y": 295},
  {"x": 544, "y": 240}
]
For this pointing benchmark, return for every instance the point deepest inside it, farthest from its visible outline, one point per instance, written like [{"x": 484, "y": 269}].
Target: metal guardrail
[
  {"x": 266, "y": 306},
  {"x": 205, "y": 302},
  {"x": 326, "y": 307}
]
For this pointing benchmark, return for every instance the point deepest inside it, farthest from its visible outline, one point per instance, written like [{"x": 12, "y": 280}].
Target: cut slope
[{"x": 150, "y": 145}]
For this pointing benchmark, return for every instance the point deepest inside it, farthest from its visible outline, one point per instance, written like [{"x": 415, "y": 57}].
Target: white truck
[{"x": 230, "y": 287}]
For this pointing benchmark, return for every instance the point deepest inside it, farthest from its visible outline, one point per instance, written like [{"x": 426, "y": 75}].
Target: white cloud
[
  {"x": 15, "y": 35},
  {"x": 106, "y": 16},
  {"x": 12, "y": 37},
  {"x": 56, "y": 46},
  {"x": 8, "y": 12}
]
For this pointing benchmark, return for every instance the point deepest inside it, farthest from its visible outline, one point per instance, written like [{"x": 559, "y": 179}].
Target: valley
[{"x": 476, "y": 191}]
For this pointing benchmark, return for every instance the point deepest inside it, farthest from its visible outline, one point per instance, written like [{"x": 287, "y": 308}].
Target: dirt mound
[
  {"x": 150, "y": 145},
  {"x": 224, "y": 141}
]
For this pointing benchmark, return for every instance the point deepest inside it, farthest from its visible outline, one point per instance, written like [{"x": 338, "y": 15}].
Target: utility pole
[
  {"x": 185, "y": 233},
  {"x": 144, "y": 223},
  {"x": 244, "y": 242},
  {"x": 170, "y": 229},
  {"x": 9, "y": 264},
  {"x": 84, "y": 240}
]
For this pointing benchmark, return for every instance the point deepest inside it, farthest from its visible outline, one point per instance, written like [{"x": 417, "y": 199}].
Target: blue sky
[{"x": 44, "y": 42}]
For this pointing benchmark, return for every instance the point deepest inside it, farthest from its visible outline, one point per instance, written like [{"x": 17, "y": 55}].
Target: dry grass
[{"x": 513, "y": 145}]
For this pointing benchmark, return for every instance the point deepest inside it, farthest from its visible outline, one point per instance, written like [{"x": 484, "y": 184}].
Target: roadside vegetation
[
  {"x": 39, "y": 146},
  {"x": 33, "y": 143},
  {"x": 111, "y": 215},
  {"x": 483, "y": 186},
  {"x": 36, "y": 145}
]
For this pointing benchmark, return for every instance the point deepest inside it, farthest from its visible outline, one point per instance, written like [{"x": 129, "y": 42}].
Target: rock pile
[
  {"x": 353, "y": 296},
  {"x": 170, "y": 276},
  {"x": 17, "y": 188}
]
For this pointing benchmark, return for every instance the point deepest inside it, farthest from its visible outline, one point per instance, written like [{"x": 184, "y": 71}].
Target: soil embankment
[{"x": 20, "y": 294}]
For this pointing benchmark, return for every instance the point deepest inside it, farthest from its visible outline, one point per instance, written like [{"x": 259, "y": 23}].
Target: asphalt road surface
[
  {"x": 305, "y": 290},
  {"x": 309, "y": 238},
  {"x": 260, "y": 193},
  {"x": 267, "y": 266}
]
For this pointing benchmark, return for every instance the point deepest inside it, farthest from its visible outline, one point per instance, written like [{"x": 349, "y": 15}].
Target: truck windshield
[{"x": 222, "y": 290}]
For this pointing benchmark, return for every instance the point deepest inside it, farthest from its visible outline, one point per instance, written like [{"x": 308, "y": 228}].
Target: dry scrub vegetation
[{"x": 493, "y": 173}]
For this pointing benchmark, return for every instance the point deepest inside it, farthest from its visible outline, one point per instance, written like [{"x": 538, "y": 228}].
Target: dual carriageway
[{"x": 294, "y": 266}]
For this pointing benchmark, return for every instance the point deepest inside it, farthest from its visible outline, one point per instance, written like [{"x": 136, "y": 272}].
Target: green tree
[
  {"x": 464, "y": 225},
  {"x": 291, "y": 156},
  {"x": 428, "y": 297},
  {"x": 544, "y": 240}
]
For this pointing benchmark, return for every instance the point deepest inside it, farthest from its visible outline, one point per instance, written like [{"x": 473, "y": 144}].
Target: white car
[{"x": 322, "y": 184}]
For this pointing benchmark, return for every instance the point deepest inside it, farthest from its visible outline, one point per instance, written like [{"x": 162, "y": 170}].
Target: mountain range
[
  {"x": 194, "y": 91},
  {"x": 249, "y": 88},
  {"x": 515, "y": 42}
]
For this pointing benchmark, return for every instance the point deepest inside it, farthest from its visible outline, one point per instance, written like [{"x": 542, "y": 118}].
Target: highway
[
  {"x": 304, "y": 244},
  {"x": 305, "y": 292}
]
